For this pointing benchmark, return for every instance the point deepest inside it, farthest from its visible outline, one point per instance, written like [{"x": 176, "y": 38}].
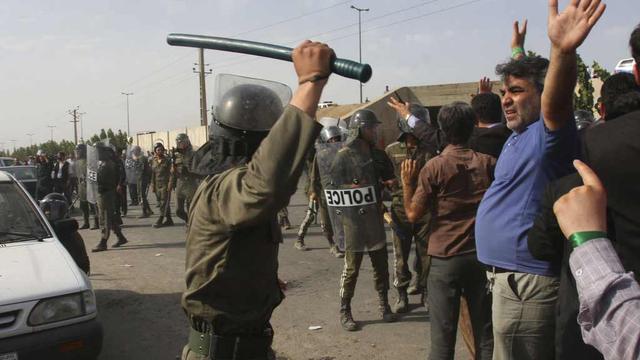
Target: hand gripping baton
[{"x": 342, "y": 67}]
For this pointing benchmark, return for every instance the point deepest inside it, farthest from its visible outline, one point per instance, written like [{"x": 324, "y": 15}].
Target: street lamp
[
  {"x": 30, "y": 135},
  {"x": 51, "y": 127},
  {"x": 127, "y": 95},
  {"x": 360, "y": 10}
]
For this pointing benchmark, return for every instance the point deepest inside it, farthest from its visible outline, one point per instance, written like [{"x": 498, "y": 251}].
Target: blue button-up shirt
[{"x": 528, "y": 162}]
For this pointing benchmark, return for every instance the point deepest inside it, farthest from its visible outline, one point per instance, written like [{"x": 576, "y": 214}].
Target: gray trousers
[{"x": 523, "y": 315}]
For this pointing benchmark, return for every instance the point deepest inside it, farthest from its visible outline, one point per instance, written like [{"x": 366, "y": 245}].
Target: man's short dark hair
[
  {"x": 457, "y": 121},
  {"x": 634, "y": 43},
  {"x": 532, "y": 68},
  {"x": 487, "y": 108},
  {"x": 619, "y": 92}
]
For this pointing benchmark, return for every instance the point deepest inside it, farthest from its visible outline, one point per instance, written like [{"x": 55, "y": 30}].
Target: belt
[
  {"x": 217, "y": 347},
  {"x": 498, "y": 270}
]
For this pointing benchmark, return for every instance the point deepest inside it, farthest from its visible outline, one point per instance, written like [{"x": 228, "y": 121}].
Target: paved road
[{"x": 138, "y": 290}]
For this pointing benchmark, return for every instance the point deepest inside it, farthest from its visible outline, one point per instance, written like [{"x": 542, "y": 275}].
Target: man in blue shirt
[{"x": 543, "y": 143}]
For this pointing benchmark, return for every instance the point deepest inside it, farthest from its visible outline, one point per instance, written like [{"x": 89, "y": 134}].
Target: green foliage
[
  {"x": 599, "y": 71},
  {"x": 119, "y": 139},
  {"x": 583, "y": 100},
  {"x": 531, "y": 53}
]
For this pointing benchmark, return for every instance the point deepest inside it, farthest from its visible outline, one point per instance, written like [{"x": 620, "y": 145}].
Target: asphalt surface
[{"x": 138, "y": 289}]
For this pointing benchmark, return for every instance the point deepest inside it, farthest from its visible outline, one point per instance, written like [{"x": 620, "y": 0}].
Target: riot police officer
[
  {"x": 141, "y": 162},
  {"x": 160, "y": 182},
  {"x": 404, "y": 232},
  {"x": 358, "y": 174},
  {"x": 233, "y": 235},
  {"x": 81, "y": 172},
  {"x": 108, "y": 179},
  {"x": 187, "y": 182},
  {"x": 56, "y": 209},
  {"x": 328, "y": 135}
]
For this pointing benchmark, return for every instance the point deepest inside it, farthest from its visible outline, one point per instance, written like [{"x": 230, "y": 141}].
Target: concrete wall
[{"x": 198, "y": 136}]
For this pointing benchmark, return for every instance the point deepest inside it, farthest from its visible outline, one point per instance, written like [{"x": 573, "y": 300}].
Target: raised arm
[
  {"x": 517, "y": 40},
  {"x": 567, "y": 30}
]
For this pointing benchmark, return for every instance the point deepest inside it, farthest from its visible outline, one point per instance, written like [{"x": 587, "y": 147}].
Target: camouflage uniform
[
  {"x": 108, "y": 180},
  {"x": 143, "y": 186},
  {"x": 160, "y": 182},
  {"x": 405, "y": 232},
  {"x": 187, "y": 182}
]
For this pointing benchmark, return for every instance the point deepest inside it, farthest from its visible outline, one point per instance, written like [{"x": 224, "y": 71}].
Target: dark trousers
[
  {"x": 352, "y": 262},
  {"x": 133, "y": 193},
  {"x": 405, "y": 234},
  {"x": 84, "y": 206},
  {"x": 450, "y": 278}
]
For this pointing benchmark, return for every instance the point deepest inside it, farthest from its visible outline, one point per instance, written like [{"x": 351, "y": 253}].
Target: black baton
[{"x": 347, "y": 68}]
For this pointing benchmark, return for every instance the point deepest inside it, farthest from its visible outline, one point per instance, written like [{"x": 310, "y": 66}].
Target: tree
[
  {"x": 583, "y": 100},
  {"x": 599, "y": 71}
]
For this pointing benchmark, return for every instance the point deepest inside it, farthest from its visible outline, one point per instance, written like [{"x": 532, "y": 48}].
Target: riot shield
[
  {"x": 351, "y": 190},
  {"x": 92, "y": 174},
  {"x": 132, "y": 167}
]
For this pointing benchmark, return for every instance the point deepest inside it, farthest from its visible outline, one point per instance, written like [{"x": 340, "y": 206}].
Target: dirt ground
[{"x": 138, "y": 289}]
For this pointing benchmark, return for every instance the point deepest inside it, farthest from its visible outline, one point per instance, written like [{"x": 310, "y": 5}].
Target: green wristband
[
  {"x": 517, "y": 51},
  {"x": 578, "y": 238}
]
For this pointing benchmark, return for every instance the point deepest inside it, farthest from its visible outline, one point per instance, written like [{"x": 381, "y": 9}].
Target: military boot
[
  {"x": 383, "y": 307},
  {"x": 346, "y": 319},
  {"x": 299, "y": 244},
  {"x": 96, "y": 224},
  {"x": 424, "y": 300},
  {"x": 402, "y": 304},
  {"x": 158, "y": 223},
  {"x": 168, "y": 221},
  {"x": 121, "y": 239},
  {"x": 102, "y": 246}
]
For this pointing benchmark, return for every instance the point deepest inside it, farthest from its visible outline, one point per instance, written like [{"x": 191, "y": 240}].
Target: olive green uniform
[
  {"x": 143, "y": 185},
  {"x": 187, "y": 182},
  {"x": 160, "y": 177},
  {"x": 233, "y": 236},
  {"x": 108, "y": 180},
  {"x": 379, "y": 258},
  {"x": 406, "y": 231}
]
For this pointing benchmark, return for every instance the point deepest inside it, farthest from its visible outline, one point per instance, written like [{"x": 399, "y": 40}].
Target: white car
[
  {"x": 624, "y": 65},
  {"x": 47, "y": 306}
]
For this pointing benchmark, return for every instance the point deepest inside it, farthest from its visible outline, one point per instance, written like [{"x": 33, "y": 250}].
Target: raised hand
[
  {"x": 402, "y": 108},
  {"x": 485, "y": 86},
  {"x": 568, "y": 29},
  {"x": 519, "y": 34},
  {"x": 584, "y": 207},
  {"x": 408, "y": 172}
]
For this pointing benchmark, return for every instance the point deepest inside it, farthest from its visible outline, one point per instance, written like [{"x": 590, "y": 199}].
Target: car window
[
  {"x": 19, "y": 219},
  {"x": 22, "y": 172}
]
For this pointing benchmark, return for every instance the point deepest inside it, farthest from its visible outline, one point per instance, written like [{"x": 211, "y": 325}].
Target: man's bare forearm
[
  {"x": 559, "y": 85},
  {"x": 407, "y": 197}
]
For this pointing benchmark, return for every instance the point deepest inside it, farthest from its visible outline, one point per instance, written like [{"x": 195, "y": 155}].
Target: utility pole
[
  {"x": 359, "y": 10},
  {"x": 74, "y": 113},
  {"x": 127, "y": 95},
  {"x": 203, "y": 90},
  {"x": 30, "y": 135},
  {"x": 14, "y": 145},
  {"x": 81, "y": 125},
  {"x": 51, "y": 127}
]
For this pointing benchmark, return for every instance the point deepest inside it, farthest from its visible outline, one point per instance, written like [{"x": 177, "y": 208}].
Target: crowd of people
[{"x": 487, "y": 194}]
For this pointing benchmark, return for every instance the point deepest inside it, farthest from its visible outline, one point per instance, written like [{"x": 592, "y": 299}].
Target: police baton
[{"x": 347, "y": 68}]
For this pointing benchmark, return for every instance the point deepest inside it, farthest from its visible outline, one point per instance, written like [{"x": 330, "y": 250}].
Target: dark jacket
[{"x": 489, "y": 140}]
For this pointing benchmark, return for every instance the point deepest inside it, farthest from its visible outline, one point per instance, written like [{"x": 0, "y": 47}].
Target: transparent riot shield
[
  {"x": 92, "y": 174},
  {"x": 132, "y": 167},
  {"x": 351, "y": 188}
]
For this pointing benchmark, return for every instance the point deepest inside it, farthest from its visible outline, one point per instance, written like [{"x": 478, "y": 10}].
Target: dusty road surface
[{"x": 138, "y": 289}]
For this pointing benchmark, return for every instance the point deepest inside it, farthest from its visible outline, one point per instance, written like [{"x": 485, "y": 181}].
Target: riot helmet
[
  {"x": 330, "y": 134},
  {"x": 362, "y": 119},
  {"x": 183, "y": 141},
  {"x": 157, "y": 146},
  {"x": 136, "y": 151},
  {"x": 329, "y": 121},
  {"x": 421, "y": 113},
  {"x": 104, "y": 152},
  {"x": 81, "y": 151},
  {"x": 54, "y": 206},
  {"x": 248, "y": 104}
]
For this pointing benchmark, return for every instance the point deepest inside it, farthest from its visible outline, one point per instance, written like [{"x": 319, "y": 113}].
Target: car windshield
[
  {"x": 19, "y": 220},
  {"x": 9, "y": 161},
  {"x": 22, "y": 172}
]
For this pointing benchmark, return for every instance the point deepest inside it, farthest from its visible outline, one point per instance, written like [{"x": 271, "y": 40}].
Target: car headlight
[{"x": 63, "y": 308}]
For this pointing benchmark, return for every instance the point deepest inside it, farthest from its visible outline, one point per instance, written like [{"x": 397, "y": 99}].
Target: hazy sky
[{"x": 58, "y": 54}]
